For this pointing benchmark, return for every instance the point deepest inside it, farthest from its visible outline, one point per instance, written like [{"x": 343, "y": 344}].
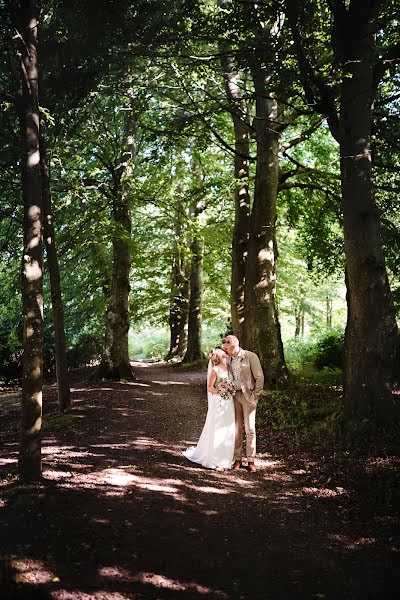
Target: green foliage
[
  {"x": 325, "y": 351},
  {"x": 298, "y": 406},
  {"x": 86, "y": 350},
  {"x": 329, "y": 351},
  {"x": 149, "y": 343}
]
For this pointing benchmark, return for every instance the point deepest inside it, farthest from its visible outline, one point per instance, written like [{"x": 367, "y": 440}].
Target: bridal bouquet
[{"x": 226, "y": 390}]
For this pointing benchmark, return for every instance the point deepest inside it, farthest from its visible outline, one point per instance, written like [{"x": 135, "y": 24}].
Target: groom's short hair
[{"x": 230, "y": 339}]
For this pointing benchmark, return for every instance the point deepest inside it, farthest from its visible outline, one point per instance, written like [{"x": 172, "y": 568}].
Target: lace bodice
[{"x": 221, "y": 373}]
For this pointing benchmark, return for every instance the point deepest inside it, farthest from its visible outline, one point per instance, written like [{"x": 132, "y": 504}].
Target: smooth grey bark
[
  {"x": 238, "y": 109},
  {"x": 194, "y": 338},
  {"x": 179, "y": 309},
  {"x": 63, "y": 388},
  {"x": 194, "y": 349},
  {"x": 261, "y": 331},
  {"x": 115, "y": 363},
  {"x": 30, "y": 461}
]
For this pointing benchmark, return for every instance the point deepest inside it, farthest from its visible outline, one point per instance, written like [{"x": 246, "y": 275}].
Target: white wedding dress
[{"x": 216, "y": 444}]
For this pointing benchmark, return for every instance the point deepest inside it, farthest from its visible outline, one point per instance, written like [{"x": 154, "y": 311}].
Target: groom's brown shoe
[
  {"x": 236, "y": 465},
  {"x": 252, "y": 467}
]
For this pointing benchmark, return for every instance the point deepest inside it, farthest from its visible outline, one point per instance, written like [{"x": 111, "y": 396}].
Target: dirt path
[{"x": 122, "y": 515}]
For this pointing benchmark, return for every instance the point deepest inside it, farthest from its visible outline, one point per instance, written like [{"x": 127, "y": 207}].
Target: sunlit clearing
[
  {"x": 160, "y": 581},
  {"x": 146, "y": 363},
  {"x": 31, "y": 571}
]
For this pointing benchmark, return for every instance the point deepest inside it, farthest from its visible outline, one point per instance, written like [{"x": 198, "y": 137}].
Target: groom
[{"x": 247, "y": 374}]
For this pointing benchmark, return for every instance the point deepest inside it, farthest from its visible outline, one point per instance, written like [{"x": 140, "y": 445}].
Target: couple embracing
[{"x": 234, "y": 384}]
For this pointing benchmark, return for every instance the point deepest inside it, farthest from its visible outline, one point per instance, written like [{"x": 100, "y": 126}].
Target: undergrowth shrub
[
  {"x": 298, "y": 407},
  {"x": 86, "y": 350},
  {"x": 329, "y": 351}
]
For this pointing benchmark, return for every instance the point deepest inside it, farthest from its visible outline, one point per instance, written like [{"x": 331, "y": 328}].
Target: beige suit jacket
[{"x": 251, "y": 375}]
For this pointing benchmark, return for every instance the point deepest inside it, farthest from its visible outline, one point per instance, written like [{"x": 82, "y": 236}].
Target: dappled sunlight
[
  {"x": 146, "y": 442},
  {"x": 97, "y": 595},
  {"x": 32, "y": 572},
  {"x": 350, "y": 544},
  {"x": 208, "y": 490},
  {"x": 184, "y": 383},
  {"x": 104, "y": 388},
  {"x": 8, "y": 461},
  {"x": 115, "y": 573},
  {"x": 112, "y": 446},
  {"x": 55, "y": 475},
  {"x": 68, "y": 451},
  {"x": 162, "y": 582},
  {"x": 268, "y": 462},
  {"x": 281, "y": 477},
  {"x": 146, "y": 362},
  {"x": 323, "y": 492}
]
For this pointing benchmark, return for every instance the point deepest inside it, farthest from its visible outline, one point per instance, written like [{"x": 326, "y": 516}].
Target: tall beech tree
[
  {"x": 63, "y": 387},
  {"x": 180, "y": 273},
  {"x": 27, "y": 103},
  {"x": 357, "y": 66},
  {"x": 194, "y": 349},
  {"x": 115, "y": 363},
  {"x": 262, "y": 329},
  {"x": 239, "y": 111},
  {"x": 254, "y": 248}
]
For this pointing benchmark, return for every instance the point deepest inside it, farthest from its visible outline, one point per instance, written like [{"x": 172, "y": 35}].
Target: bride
[{"x": 217, "y": 440}]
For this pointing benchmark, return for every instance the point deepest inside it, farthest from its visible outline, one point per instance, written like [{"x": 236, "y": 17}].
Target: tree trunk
[
  {"x": 297, "y": 318},
  {"x": 371, "y": 337},
  {"x": 179, "y": 292},
  {"x": 261, "y": 328},
  {"x": 30, "y": 461},
  {"x": 115, "y": 363},
  {"x": 194, "y": 350},
  {"x": 371, "y": 330},
  {"x": 329, "y": 312},
  {"x": 238, "y": 109},
  {"x": 64, "y": 395}
]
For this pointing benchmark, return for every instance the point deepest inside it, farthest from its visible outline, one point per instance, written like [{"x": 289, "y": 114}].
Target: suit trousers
[{"x": 245, "y": 412}]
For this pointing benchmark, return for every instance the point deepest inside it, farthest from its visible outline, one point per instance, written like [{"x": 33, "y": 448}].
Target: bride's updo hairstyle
[{"x": 215, "y": 359}]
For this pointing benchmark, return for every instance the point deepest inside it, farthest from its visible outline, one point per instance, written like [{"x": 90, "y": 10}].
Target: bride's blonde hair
[{"x": 215, "y": 359}]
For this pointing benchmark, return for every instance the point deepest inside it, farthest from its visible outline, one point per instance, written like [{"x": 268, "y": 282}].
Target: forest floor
[{"x": 121, "y": 514}]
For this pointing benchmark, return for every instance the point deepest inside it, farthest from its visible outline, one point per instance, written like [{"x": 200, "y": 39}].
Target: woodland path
[{"x": 121, "y": 514}]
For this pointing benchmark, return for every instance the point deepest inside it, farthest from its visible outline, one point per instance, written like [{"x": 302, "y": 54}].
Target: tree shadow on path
[{"x": 122, "y": 515}]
